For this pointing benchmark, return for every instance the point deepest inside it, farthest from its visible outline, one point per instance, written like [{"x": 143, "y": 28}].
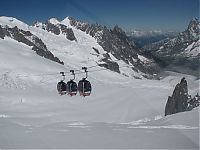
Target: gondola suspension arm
[
  {"x": 86, "y": 72},
  {"x": 72, "y": 71},
  {"x": 63, "y": 75}
]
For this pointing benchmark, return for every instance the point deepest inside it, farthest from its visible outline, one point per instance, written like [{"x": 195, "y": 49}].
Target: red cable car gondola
[
  {"x": 62, "y": 86},
  {"x": 72, "y": 86},
  {"x": 84, "y": 86}
]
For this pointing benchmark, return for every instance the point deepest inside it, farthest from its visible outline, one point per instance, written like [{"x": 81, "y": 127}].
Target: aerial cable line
[
  {"x": 68, "y": 72},
  {"x": 107, "y": 69}
]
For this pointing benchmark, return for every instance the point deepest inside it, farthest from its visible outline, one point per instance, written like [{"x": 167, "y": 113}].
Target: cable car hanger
[
  {"x": 72, "y": 71},
  {"x": 86, "y": 72},
  {"x": 63, "y": 75}
]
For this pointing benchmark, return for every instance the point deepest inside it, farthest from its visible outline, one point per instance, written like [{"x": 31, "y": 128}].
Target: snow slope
[
  {"x": 12, "y": 22},
  {"x": 173, "y": 132},
  {"x": 121, "y": 112}
]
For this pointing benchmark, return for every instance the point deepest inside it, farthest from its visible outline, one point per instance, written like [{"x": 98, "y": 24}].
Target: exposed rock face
[
  {"x": 58, "y": 29},
  {"x": 69, "y": 34},
  {"x": 180, "y": 101},
  {"x": 29, "y": 39},
  {"x": 116, "y": 42},
  {"x": 3, "y": 32},
  {"x": 113, "y": 66},
  {"x": 193, "y": 102},
  {"x": 52, "y": 28},
  {"x": 180, "y": 51}
]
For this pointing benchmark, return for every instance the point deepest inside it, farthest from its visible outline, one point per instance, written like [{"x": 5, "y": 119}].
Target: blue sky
[{"x": 137, "y": 14}]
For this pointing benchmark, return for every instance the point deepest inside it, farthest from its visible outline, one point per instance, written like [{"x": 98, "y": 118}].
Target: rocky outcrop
[
  {"x": 3, "y": 32},
  {"x": 69, "y": 34},
  {"x": 52, "y": 28},
  {"x": 111, "y": 65},
  {"x": 180, "y": 100},
  {"x": 193, "y": 102},
  {"x": 29, "y": 39}
]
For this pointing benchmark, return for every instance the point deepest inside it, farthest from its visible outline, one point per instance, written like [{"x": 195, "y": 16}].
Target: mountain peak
[
  {"x": 66, "y": 21},
  {"x": 54, "y": 21},
  {"x": 195, "y": 19},
  {"x": 194, "y": 25},
  {"x": 12, "y": 22},
  {"x": 119, "y": 30}
]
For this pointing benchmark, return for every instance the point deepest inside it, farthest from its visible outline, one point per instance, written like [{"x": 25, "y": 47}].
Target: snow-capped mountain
[
  {"x": 122, "y": 112},
  {"x": 108, "y": 48},
  {"x": 180, "y": 51},
  {"x": 114, "y": 42}
]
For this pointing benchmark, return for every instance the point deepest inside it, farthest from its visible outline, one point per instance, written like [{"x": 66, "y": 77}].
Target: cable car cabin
[
  {"x": 84, "y": 87},
  {"x": 71, "y": 88},
  {"x": 62, "y": 88}
]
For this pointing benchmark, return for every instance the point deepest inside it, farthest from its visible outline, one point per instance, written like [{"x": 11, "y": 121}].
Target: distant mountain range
[
  {"x": 142, "y": 38},
  {"x": 180, "y": 53}
]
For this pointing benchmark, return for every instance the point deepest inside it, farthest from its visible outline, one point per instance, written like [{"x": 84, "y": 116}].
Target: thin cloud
[{"x": 86, "y": 12}]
